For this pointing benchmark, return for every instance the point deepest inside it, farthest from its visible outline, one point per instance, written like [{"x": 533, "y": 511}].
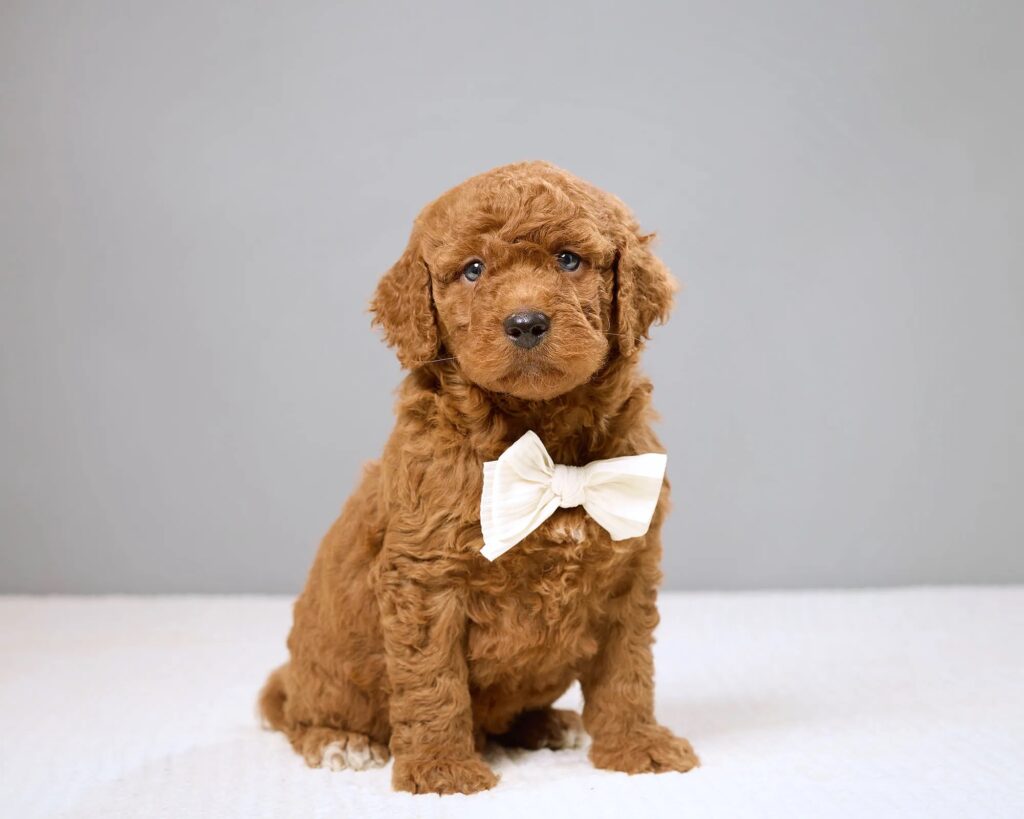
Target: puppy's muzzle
[{"x": 527, "y": 328}]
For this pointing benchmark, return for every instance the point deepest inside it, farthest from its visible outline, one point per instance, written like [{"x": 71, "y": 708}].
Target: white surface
[{"x": 888, "y": 703}]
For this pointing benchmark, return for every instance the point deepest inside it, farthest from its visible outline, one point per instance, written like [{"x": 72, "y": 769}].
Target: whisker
[{"x": 436, "y": 361}]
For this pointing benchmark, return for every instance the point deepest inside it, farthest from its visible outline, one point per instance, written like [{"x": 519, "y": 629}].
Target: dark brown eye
[
  {"x": 473, "y": 270},
  {"x": 567, "y": 260}
]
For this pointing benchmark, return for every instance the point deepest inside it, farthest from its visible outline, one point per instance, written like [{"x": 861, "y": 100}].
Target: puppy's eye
[
  {"x": 473, "y": 270},
  {"x": 567, "y": 260}
]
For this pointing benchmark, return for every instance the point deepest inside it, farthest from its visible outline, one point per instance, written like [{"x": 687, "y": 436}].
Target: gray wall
[{"x": 197, "y": 199}]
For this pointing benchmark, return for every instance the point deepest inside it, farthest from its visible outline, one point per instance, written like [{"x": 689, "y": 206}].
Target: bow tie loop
[
  {"x": 524, "y": 487},
  {"x": 569, "y": 485}
]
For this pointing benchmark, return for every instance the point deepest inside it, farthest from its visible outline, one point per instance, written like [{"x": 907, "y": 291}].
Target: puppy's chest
[{"x": 540, "y": 604}]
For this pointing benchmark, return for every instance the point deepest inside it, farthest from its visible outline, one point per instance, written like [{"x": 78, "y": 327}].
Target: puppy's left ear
[
  {"x": 643, "y": 290},
  {"x": 403, "y": 306}
]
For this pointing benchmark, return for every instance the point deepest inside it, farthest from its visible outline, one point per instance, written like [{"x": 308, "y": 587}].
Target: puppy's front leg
[
  {"x": 424, "y": 623},
  {"x": 618, "y": 689}
]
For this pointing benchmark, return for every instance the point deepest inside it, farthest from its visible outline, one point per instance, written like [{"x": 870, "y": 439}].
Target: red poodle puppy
[{"x": 428, "y": 625}]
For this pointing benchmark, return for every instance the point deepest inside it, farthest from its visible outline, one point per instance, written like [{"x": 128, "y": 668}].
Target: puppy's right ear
[{"x": 403, "y": 306}]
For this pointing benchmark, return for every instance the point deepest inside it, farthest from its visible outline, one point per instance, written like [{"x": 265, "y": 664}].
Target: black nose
[{"x": 526, "y": 328}]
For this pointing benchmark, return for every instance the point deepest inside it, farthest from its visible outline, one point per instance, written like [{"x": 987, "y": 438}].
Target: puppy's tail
[{"x": 271, "y": 702}]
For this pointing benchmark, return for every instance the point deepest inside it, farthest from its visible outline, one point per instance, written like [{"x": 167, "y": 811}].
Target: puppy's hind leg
[
  {"x": 322, "y": 746},
  {"x": 338, "y": 750}
]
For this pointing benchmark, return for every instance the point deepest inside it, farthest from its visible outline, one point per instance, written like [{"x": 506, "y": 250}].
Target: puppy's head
[{"x": 529, "y": 277}]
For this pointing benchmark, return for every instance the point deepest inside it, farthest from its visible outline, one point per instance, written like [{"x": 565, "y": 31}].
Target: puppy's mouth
[
  {"x": 531, "y": 367},
  {"x": 540, "y": 374}
]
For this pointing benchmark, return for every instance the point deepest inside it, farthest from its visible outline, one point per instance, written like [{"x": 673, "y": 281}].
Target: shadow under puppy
[{"x": 521, "y": 303}]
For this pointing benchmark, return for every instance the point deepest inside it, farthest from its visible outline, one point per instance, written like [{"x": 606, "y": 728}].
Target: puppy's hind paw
[
  {"x": 551, "y": 728},
  {"x": 342, "y": 750}
]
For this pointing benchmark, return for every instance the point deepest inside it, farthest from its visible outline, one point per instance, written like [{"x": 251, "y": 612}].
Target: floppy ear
[
  {"x": 643, "y": 291},
  {"x": 404, "y": 307}
]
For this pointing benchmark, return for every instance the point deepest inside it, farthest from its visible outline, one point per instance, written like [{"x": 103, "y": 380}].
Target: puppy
[{"x": 521, "y": 303}]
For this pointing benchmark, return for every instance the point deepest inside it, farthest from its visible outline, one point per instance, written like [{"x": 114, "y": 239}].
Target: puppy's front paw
[
  {"x": 440, "y": 775},
  {"x": 651, "y": 749}
]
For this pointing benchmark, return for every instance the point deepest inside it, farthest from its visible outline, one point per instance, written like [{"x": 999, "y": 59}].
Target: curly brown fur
[{"x": 404, "y": 635}]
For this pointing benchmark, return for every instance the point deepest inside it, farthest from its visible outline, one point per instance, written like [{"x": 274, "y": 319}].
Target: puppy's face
[
  {"x": 522, "y": 285},
  {"x": 527, "y": 277}
]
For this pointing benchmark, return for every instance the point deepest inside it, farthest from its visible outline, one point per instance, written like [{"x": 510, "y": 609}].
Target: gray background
[{"x": 197, "y": 199}]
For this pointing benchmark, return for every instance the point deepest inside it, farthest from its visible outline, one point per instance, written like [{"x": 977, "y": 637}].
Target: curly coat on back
[{"x": 406, "y": 640}]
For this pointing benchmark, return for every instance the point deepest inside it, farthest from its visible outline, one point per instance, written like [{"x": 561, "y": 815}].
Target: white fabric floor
[{"x": 866, "y": 704}]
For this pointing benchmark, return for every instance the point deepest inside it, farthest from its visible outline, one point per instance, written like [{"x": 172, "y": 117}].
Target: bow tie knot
[
  {"x": 524, "y": 487},
  {"x": 569, "y": 485}
]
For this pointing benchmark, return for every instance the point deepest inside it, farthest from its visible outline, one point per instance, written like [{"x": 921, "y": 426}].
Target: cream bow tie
[{"x": 524, "y": 487}]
